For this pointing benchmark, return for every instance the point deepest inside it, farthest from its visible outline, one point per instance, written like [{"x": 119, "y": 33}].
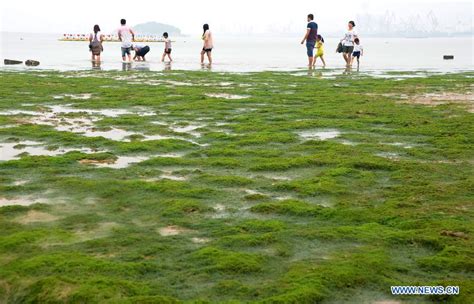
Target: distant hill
[{"x": 155, "y": 28}]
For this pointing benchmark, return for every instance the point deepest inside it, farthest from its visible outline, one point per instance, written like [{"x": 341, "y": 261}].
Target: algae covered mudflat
[{"x": 214, "y": 187}]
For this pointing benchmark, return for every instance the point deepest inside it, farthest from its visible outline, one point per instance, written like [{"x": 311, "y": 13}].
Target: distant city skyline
[{"x": 245, "y": 17}]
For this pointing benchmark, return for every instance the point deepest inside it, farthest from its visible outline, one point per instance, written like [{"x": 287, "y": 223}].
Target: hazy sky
[{"x": 238, "y": 16}]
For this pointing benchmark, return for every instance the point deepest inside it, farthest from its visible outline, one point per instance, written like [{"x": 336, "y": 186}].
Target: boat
[
  {"x": 111, "y": 38},
  {"x": 31, "y": 62},
  {"x": 11, "y": 61}
]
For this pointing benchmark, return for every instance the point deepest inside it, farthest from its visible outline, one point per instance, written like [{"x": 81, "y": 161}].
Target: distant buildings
[{"x": 413, "y": 26}]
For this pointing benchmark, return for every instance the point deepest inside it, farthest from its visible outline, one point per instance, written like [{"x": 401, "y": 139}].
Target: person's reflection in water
[
  {"x": 347, "y": 70},
  {"x": 311, "y": 70},
  {"x": 142, "y": 67},
  {"x": 167, "y": 66},
  {"x": 96, "y": 65},
  {"x": 206, "y": 66},
  {"x": 126, "y": 66}
]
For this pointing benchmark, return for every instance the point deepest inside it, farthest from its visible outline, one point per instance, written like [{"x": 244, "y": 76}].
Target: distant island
[{"x": 156, "y": 28}]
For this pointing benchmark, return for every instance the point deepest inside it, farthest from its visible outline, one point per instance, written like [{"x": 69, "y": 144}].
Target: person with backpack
[{"x": 95, "y": 43}]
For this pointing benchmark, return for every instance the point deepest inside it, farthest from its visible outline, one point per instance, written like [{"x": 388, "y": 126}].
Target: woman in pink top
[{"x": 208, "y": 44}]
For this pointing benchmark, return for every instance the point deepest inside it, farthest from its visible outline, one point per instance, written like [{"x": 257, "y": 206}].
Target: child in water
[
  {"x": 167, "y": 51},
  {"x": 319, "y": 50},
  {"x": 358, "y": 51}
]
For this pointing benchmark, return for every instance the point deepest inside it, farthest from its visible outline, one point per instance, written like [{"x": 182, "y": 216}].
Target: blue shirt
[{"x": 313, "y": 33}]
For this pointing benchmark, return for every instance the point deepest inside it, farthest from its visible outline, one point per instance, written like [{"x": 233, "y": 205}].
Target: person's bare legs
[
  {"x": 202, "y": 56},
  {"x": 347, "y": 58},
  {"x": 163, "y": 57},
  {"x": 169, "y": 56},
  {"x": 310, "y": 61},
  {"x": 97, "y": 58},
  {"x": 324, "y": 62},
  {"x": 209, "y": 56},
  {"x": 314, "y": 61}
]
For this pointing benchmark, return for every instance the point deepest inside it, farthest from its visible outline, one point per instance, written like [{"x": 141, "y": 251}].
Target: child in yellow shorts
[{"x": 319, "y": 50}]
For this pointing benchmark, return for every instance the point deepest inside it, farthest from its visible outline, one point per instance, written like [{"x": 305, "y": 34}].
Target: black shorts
[
  {"x": 207, "y": 50},
  {"x": 347, "y": 49},
  {"x": 356, "y": 54},
  {"x": 143, "y": 51},
  {"x": 168, "y": 51}
]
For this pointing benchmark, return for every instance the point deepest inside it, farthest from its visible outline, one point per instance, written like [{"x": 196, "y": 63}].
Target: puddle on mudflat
[
  {"x": 227, "y": 96},
  {"x": 389, "y": 155},
  {"x": 222, "y": 123},
  {"x": 19, "y": 201},
  {"x": 159, "y": 123},
  {"x": 190, "y": 129},
  {"x": 197, "y": 240},
  {"x": 179, "y": 83},
  {"x": 18, "y": 112},
  {"x": 74, "y": 96},
  {"x": 347, "y": 142},
  {"x": 34, "y": 216},
  {"x": 399, "y": 144},
  {"x": 67, "y": 109},
  {"x": 219, "y": 207},
  {"x": 273, "y": 177},
  {"x": 112, "y": 134},
  {"x": 220, "y": 212},
  {"x": 125, "y": 161},
  {"x": 51, "y": 111},
  {"x": 170, "y": 176},
  {"x": 171, "y": 155},
  {"x": 172, "y": 230},
  {"x": 82, "y": 125},
  {"x": 253, "y": 192},
  {"x": 320, "y": 134},
  {"x": 119, "y": 163},
  {"x": 12, "y": 151},
  {"x": 20, "y": 182},
  {"x": 323, "y": 202}
]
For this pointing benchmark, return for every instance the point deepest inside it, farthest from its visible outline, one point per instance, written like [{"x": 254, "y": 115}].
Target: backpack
[{"x": 96, "y": 46}]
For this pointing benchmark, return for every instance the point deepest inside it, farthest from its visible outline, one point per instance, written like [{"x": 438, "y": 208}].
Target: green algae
[{"x": 281, "y": 218}]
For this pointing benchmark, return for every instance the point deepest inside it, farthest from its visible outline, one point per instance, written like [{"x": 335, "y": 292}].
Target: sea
[{"x": 242, "y": 54}]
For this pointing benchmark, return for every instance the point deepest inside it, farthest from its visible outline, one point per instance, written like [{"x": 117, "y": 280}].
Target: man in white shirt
[{"x": 126, "y": 35}]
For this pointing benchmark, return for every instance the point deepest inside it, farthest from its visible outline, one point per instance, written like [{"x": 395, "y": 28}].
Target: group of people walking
[
  {"x": 349, "y": 46},
  {"x": 127, "y": 37}
]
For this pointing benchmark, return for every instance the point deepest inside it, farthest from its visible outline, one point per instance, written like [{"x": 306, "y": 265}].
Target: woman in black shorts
[
  {"x": 348, "y": 43},
  {"x": 208, "y": 44}
]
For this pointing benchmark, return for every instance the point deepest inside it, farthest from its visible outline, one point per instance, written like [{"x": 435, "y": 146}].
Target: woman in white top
[
  {"x": 348, "y": 43},
  {"x": 95, "y": 43}
]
